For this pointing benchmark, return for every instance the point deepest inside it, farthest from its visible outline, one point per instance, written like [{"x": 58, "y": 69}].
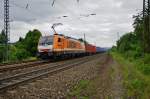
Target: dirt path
[
  {"x": 117, "y": 85},
  {"x": 110, "y": 80},
  {"x": 107, "y": 84},
  {"x": 110, "y": 84}
]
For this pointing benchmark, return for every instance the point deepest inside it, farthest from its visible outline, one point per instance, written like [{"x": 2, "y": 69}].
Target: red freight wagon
[{"x": 90, "y": 48}]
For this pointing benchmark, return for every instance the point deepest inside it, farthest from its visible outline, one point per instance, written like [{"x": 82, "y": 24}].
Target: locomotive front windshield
[{"x": 47, "y": 40}]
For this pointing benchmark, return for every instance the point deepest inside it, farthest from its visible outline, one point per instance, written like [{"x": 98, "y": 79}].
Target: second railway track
[
  {"x": 23, "y": 65},
  {"x": 11, "y": 67},
  {"x": 15, "y": 80}
]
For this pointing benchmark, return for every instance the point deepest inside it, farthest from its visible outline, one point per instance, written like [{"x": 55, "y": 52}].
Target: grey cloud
[{"x": 112, "y": 16}]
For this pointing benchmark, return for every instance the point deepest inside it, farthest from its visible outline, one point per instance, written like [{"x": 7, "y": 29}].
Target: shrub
[
  {"x": 22, "y": 54},
  {"x": 146, "y": 59}
]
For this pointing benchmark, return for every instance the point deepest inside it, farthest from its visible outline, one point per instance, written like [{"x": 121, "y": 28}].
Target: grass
[
  {"x": 136, "y": 80},
  {"x": 85, "y": 89},
  {"x": 78, "y": 89},
  {"x": 94, "y": 88}
]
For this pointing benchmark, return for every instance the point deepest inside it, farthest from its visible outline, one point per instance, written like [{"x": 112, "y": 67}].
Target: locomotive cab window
[
  {"x": 47, "y": 40},
  {"x": 59, "y": 39}
]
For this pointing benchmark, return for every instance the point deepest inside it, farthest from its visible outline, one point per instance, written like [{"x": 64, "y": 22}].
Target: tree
[
  {"x": 126, "y": 42},
  {"x": 20, "y": 39},
  {"x": 146, "y": 25},
  {"x": 24, "y": 48},
  {"x": 129, "y": 45},
  {"x": 142, "y": 30},
  {"x": 138, "y": 25},
  {"x": 146, "y": 34},
  {"x": 31, "y": 41},
  {"x": 2, "y": 50},
  {"x": 28, "y": 45},
  {"x": 3, "y": 38}
]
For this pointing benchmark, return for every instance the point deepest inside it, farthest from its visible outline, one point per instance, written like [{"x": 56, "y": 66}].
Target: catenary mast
[{"x": 6, "y": 28}]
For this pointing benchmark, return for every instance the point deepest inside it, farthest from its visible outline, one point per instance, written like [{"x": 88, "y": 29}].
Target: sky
[{"x": 111, "y": 17}]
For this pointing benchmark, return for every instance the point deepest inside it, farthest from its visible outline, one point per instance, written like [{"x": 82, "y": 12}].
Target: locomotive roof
[
  {"x": 67, "y": 37},
  {"x": 64, "y": 36}
]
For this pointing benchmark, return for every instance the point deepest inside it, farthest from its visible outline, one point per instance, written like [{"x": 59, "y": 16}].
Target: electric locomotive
[{"x": 58, "y": 45}]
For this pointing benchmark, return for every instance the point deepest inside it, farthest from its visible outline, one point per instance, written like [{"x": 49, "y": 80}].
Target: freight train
[{"x": 58, "y": 45}]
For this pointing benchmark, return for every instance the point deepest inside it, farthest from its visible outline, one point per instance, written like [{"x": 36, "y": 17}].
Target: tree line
[
  {"x": 22, "y": 49},
  {"x": 136, "y": 43}
]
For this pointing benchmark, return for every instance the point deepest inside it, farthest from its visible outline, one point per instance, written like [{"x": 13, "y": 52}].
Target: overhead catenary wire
[
  {"x": 28, "y": 7},
  {"x": 53, "y": 3}
]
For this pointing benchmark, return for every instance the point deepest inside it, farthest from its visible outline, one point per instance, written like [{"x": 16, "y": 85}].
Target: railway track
[
  {"x": 21, "y": 78},
  {"x": 27, "y": 64},
  {"x": 17, "y": 62},
  {"x": 10, "y": 67}
]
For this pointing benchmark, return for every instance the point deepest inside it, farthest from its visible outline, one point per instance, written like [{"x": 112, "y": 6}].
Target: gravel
[{"x": 57, "y": 86}]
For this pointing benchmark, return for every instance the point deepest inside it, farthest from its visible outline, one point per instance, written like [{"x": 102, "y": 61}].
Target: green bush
[
  {"x": 146, "y": 59},
  {"x": 143, "y": 64},
  {"x": 22, "y": 54},
  {"x": 18, "y": 54},
  {"x": 137, "y": 86},
  {"x": 146, "y": 69}
]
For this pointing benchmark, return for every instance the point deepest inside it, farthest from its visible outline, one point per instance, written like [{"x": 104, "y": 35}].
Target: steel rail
[
  {"x": 16, "y": 62},
  {"x": 16, "y": 80},
  {"x": 21, "y": 66},
  {"x": 34, "y": 71}
]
